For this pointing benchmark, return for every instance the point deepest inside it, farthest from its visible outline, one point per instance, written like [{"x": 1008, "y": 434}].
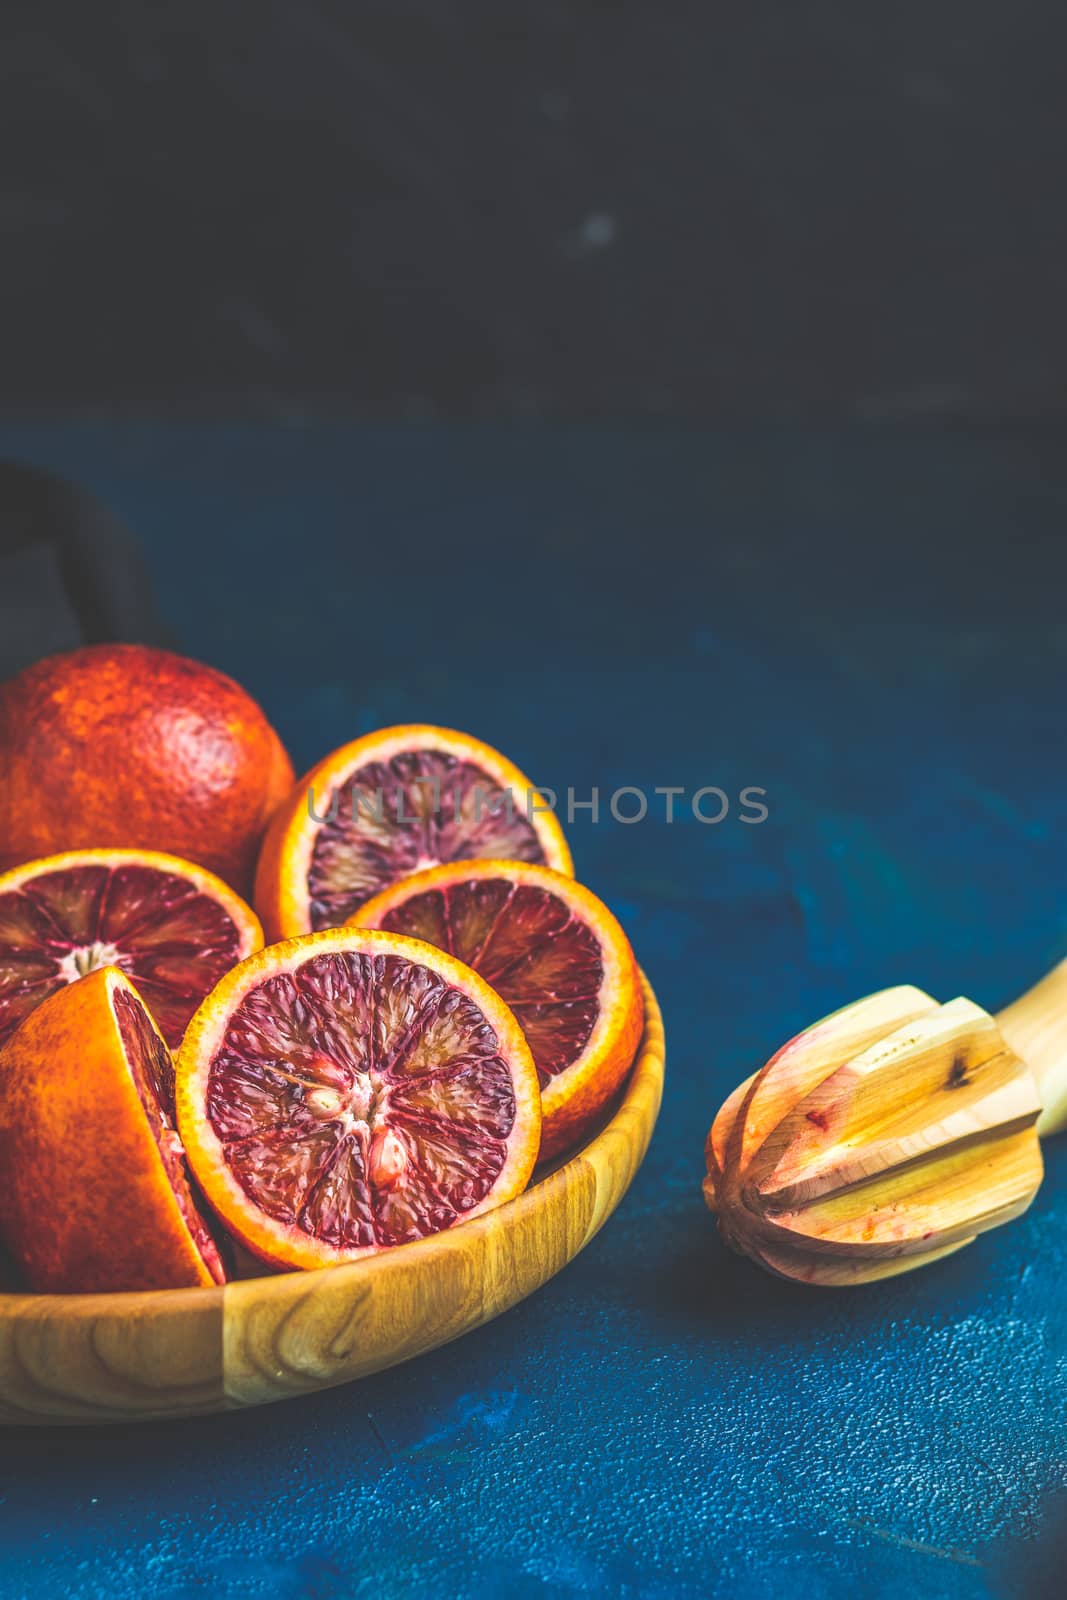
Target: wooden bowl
[{"x": 185, "y": 1352}]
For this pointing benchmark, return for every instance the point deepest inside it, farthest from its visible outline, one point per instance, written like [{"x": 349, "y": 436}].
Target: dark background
[
  {"x": 756, "y": 312},
  {"x": 415, "y": 208}
]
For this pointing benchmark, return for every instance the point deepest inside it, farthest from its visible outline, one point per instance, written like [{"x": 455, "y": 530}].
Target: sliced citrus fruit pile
[
  {"x": 173, "y": 927},
  {"x": 391, "y": 803},
  {"x": 96, "y": 1193},
  {"x": 554, "y": 952},
  {"x": 352, "y": 1090}
]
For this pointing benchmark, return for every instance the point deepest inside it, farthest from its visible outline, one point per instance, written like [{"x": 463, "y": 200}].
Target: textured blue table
[{"x": 872, "y": 628}]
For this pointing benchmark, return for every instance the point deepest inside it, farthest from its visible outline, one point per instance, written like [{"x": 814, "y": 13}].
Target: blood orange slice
[
  {"x": 351, "y": 1090},
  {"x": 392, "y": 803},
  {"x": 173, "y": 927},
  {"x": 96, "y": 1193},
  {"x": 555, "y": 953}
]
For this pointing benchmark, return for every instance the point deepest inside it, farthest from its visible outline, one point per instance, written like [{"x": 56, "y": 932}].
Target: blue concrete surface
[{"x": 871, "y": 627}]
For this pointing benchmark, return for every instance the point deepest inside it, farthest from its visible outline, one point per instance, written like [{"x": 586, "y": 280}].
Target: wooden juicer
[{"x": 890, "y": 1133}]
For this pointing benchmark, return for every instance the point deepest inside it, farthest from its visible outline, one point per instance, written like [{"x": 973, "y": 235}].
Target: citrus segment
[
  {"x": 388, "y": 805},
  {"x": 350, "y": 1090},
  {"x": 173, "y": 927},
  {"x": 97, "y": 1194},
  {"x": 554, "y": 953}
]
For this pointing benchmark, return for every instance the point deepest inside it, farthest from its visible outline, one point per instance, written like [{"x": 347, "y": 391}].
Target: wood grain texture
[
  {"x": 110, "y": 1358},
  {"x": 93, "y": 1358},
  {"x": 882, "y": 1138}
]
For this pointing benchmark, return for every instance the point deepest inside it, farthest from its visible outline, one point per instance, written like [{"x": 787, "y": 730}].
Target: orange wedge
[{"x": 96, "y": 1193}]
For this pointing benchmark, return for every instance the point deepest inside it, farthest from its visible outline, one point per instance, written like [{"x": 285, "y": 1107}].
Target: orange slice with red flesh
[
  {"x": 392, "y": 803},
  {"x": 173, "y": 927},
  {"x": 96, "y": 1194},
  {"x": 352, "y": 1090},
  {"x": 555, "y": 953}
]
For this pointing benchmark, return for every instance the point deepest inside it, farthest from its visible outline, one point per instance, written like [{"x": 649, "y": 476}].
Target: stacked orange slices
[{"x": 444, "y": 1006}]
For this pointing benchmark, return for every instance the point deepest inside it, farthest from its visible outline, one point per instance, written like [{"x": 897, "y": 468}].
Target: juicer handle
[{"x": 1035, "y": 1026}]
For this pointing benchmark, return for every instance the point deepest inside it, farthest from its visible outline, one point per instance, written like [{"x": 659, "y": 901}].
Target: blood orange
[
  {"x": 554, "y": 952},
  {"x": 118, "y": 744},
  {"x": 174, "y": 927},
  {"x": 393, "y": 802},
  {"x": 351, "y": 1090},
  {"x": 96, "y": 1194}
]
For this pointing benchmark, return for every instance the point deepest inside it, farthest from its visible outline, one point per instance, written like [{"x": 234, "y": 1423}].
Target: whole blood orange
[
  {"x": 352, "y": 1090},
  {"x": 170, "y": 925},
  {"x": 555, "y": 953},
  {"x": 388, "y": 805},
  {"x": 118, "y": 744},
  {"x": 96, "y": 1194}
]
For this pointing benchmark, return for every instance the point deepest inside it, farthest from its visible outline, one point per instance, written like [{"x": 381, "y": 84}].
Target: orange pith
[
  {"x": 95, "y": 1193},
  {"x": 172, "y": 926},
  {"x": 406, "y": 797},
  {"x": 554, "y": 952},
  {"x": 349, "y": 1090}
]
